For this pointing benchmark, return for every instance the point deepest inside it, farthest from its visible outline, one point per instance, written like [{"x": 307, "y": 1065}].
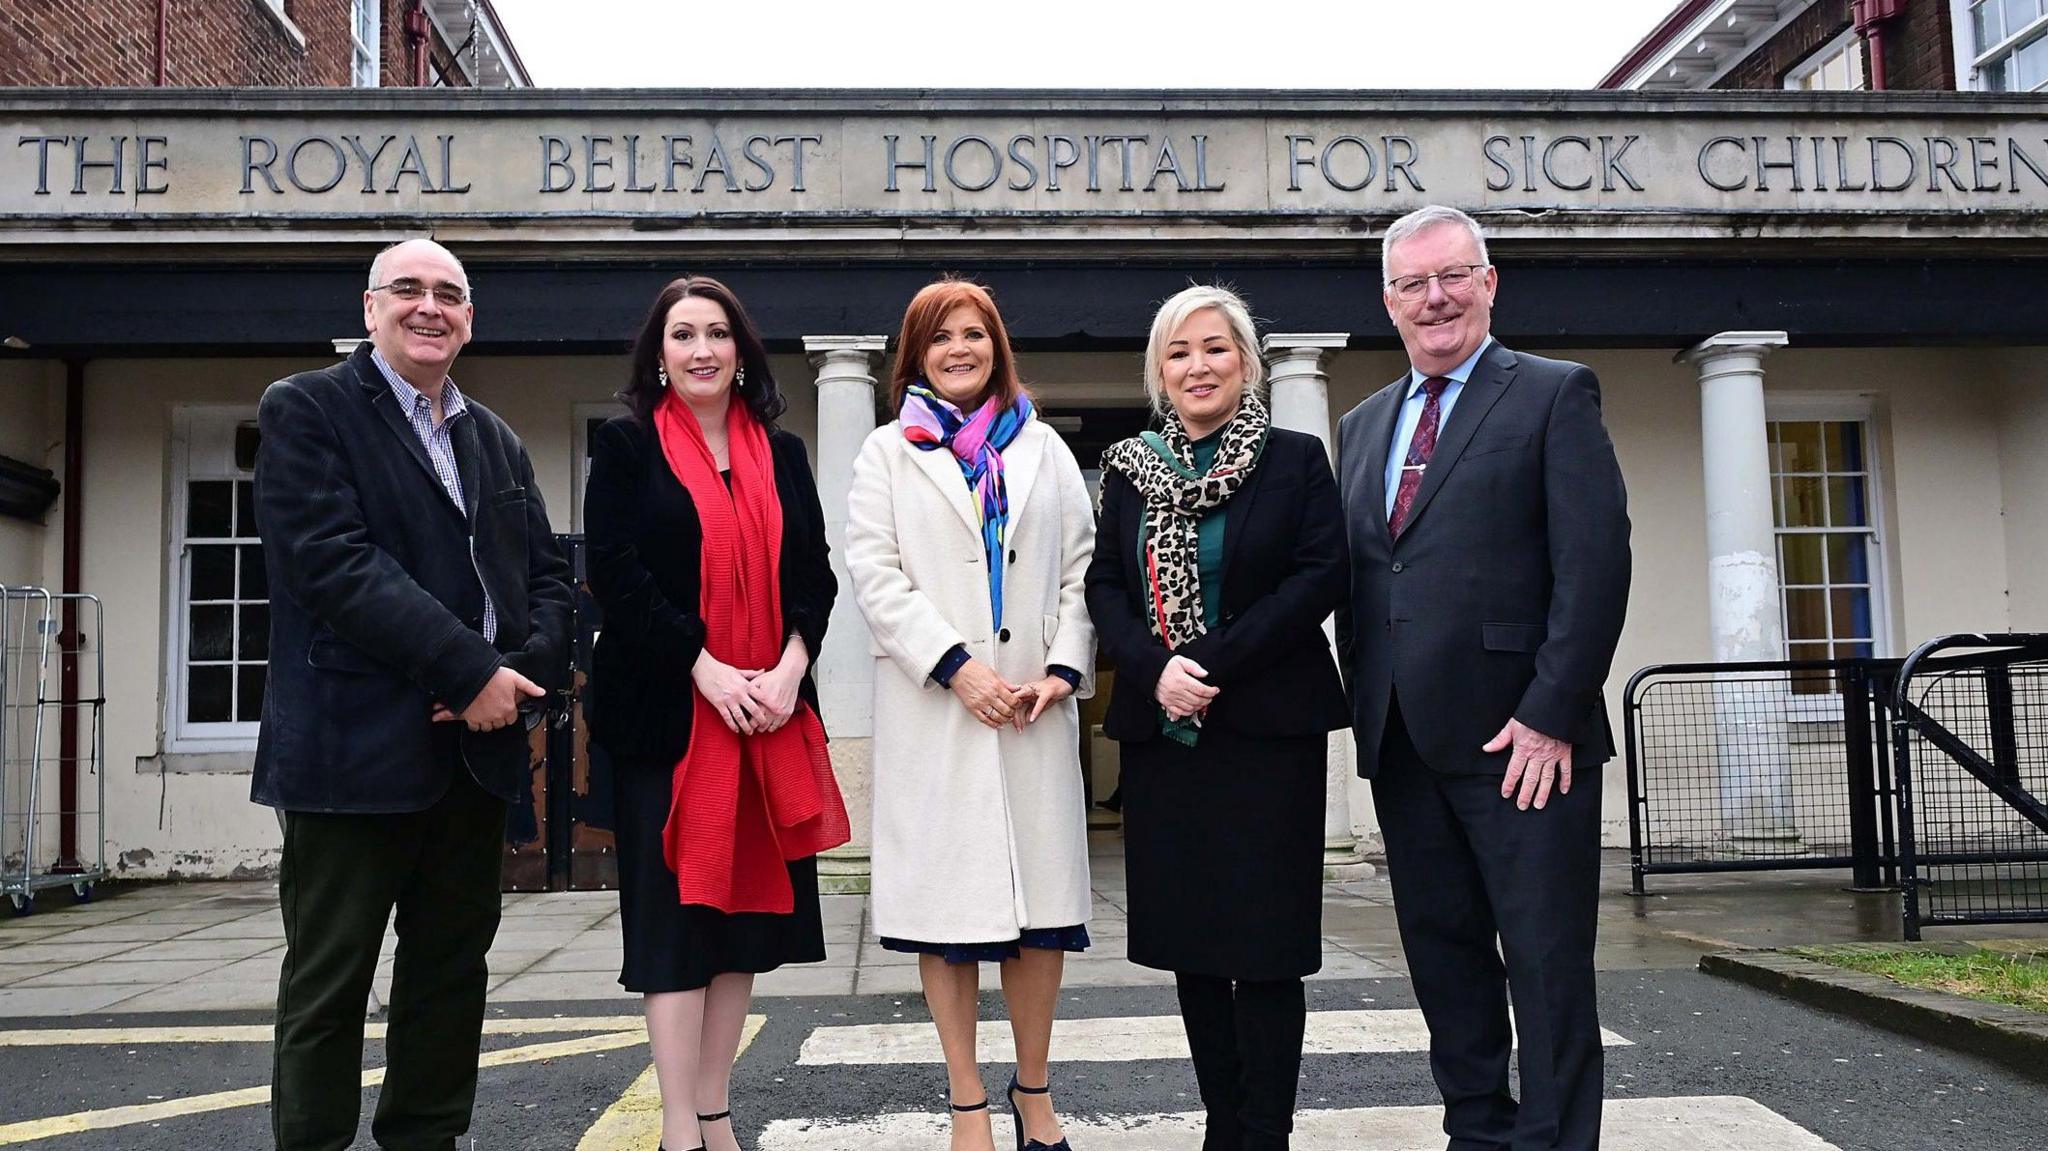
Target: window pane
[
  {"x": 1803, "y": 503},
  {"x": 1811, "y": 651},
  {"x": 253, "y": 641},
  {"x": 1799, "y": 449},
  {"x": 2018, "y": 14},
  {"x": 1806, "y": 614},
  {"x": 245, "y": 509},
  {"x": 254, "y": 585},
  {"x": 1859, "y": 650},
  {"x": 213, "y": 571},
  {"x": 1848, "y": 557},
  {"x": 2029, "y": 67},
  {"x": 1845, "y": 446},
  {"x": 249, "y": 693},
  {"x": 1799, "y": 560},
  {"x": 212, "y": 633},
  {"x": 1990, "y": 29},
  {"x": 209, "y": 510},
  {"x": 1846, "y": 505},
  {"x": 1993, "y": 76},
  {"x": 208, "y": 701},
  {"x": 1851, "y": 612}
]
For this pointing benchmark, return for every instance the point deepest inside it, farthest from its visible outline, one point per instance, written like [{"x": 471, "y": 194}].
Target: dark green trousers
[{"x": 341, "y": 879}]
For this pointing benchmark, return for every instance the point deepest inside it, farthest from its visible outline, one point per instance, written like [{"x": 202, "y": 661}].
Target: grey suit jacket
[{"x": 1505, "y": 594}]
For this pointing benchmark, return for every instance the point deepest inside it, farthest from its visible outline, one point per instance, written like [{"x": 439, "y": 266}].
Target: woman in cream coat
[{"x": 980, "y": 839}]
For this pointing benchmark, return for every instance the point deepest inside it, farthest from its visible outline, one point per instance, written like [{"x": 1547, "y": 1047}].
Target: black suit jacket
[
  {"x": 376, "y": 610},
  {"x": 643, "y": 545},
  {"x": 1283, "y": 574},
  {"x": 1505, "y": 594}
]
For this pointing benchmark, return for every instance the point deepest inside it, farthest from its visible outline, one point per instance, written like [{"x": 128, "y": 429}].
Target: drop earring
[
  {"x": 661, "y": 376},
  {"x": 739, "y": 380}
]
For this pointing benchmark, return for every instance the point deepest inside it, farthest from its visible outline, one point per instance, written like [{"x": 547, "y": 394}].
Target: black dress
[
  {"x": 1223, "y": 841},
  {"x": 642, "y": 541}
]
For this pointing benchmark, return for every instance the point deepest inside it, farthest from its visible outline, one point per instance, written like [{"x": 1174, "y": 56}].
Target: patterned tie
[{"x": 1420, "y": 449}]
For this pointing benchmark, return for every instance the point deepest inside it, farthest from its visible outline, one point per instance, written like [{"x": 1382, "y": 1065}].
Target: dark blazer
[
  {"x": 642, "y": 542},
  {"x": 1283, "y": 574},
  {"x": 1505, "y": 594},
  {"x": 376, "y": 610}
]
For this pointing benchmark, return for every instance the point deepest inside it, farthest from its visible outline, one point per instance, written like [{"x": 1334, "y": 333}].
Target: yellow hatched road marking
[
  {"x": 110, "y": 1117},
  {"x": 261, "y": 1032},
  {"x": 635, "y": 1120}
]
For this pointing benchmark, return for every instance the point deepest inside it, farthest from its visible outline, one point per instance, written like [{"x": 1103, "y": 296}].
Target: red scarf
[{"x": 741, "y": 806}]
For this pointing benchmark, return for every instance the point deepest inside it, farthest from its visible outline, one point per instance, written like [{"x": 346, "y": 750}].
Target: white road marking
[
  {"x": 1115, "y": 1040},
  {"x": 1697, "y": 1123},
  {"x": 262, "y": 1033}
]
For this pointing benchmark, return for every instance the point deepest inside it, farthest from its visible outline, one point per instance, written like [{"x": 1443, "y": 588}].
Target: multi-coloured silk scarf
[{"x": 977, "y": 444}]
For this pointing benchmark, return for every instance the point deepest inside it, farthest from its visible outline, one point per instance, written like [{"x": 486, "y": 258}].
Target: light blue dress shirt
[{"x": 1411, "y": 415}]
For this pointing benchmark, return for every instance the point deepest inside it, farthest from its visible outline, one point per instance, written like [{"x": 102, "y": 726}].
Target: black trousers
[
  {"x": 1493, "y": 901},
  {"x": 341, "y": 878},
  {"x": 1245, "y": 1036}
]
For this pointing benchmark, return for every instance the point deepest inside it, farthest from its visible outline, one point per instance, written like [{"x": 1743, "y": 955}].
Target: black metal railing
[
  {"x": 1970, "y": 738},
  {"x": 1761, "y": 767}
]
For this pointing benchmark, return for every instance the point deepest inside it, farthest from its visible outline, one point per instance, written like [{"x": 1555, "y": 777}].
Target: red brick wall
[
  {"x": 1919, "y": 53},
  {"x": 1920, "y": 48},
  {"x": 208, "y": 43}
]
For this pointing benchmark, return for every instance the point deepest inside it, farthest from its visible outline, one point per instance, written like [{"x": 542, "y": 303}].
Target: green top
[{"x": 1209, "y": 533}]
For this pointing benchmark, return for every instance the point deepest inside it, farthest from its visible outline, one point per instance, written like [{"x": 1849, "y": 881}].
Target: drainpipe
[
  {"x": 1870, "y": 17},
  {"x": 163, "y": 17},
  {"x": 67, "y": 635},
  {"x": 417, "y": 30}
]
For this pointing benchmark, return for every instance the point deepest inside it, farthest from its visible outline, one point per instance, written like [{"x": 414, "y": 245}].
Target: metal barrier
[
  {"x": 1971, "y": 744},
  {"x": 1760, "y": 767}
]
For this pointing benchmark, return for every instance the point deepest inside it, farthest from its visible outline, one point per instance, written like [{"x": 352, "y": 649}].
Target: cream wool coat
[{"x": 978, "y": 834}]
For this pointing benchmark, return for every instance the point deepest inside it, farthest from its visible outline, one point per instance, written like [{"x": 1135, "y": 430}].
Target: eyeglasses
[
  {"x": 1455, "y": 281},
  {"x": 446, "y": 295}
]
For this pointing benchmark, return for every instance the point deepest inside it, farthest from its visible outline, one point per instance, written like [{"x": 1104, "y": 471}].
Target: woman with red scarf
[{"x": 706, "y": 552}]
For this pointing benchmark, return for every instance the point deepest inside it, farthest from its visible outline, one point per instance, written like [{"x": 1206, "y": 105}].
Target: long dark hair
[{"x": 643, "y": 387}]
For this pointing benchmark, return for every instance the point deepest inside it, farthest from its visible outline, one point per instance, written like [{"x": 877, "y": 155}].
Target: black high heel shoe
[{"x": 1023, "y": 1144}]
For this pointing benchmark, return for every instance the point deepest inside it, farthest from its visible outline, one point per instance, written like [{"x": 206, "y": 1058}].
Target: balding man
[{"x": 419, "y": 613}]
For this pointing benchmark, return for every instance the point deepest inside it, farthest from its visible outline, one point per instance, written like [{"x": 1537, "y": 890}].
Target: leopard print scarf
[{"x": 1161, "y": 465}]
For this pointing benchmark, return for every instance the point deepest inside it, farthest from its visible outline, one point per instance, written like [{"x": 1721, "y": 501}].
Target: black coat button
[
  {"x": 1013, "y": 555},
  {"x": 1004, "y": 635},
  {"x": 1397, "y": 567}
]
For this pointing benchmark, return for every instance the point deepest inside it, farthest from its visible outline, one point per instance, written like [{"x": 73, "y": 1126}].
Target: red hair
[{"x": 927, "y": 314}]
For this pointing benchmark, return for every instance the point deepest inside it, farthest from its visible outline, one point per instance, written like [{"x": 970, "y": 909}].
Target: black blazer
[
  {"x": 376, "y": 610},
  {"x": 642, "y": 544},
  {"x": 1505, "y": 594},
  {"x": 1283, "y": 574}
]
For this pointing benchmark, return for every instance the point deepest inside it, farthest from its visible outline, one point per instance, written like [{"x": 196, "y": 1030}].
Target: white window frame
[
  {"x": 190, "y": 424},
  {"x": 579, "y": 441},
  {"x": 1973, "y": 59},
  {"x": 361, "y": 53},
  {"x": 275, "y": 10},
  {"x": 1859, "y": 408},
  {"x": 1849, "y": 45}
]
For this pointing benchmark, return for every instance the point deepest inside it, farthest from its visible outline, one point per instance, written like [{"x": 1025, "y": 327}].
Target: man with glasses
[
  {"x": 1490, "y": 569},
  {"x": 419, "y": 614}
]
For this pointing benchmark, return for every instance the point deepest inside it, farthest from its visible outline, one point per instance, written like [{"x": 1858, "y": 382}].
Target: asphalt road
[{"x": 1813, "y": 1080}]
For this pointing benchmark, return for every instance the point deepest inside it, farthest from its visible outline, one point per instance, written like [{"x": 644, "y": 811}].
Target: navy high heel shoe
[{"x": 1023, "y": 1144}]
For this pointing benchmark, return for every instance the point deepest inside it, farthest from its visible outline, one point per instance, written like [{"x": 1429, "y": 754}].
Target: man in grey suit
[{"x": 1489, "y": 573}]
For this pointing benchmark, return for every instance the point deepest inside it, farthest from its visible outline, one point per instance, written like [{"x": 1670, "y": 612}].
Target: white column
[
  {"x": 1299, "y": 394},
  {"x": 1742, "y": 584},
  {"x": 845, "y": 671}
]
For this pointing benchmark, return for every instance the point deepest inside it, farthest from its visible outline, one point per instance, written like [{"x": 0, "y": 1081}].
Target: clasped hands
[
  {"x": 1181, "y": 690},
  {"x": 994, "y": 701},
  {"x": 752, "y": 701}
]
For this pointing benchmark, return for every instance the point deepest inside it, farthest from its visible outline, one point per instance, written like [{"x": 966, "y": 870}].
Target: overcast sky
[{"x": 1076, "y": 43}]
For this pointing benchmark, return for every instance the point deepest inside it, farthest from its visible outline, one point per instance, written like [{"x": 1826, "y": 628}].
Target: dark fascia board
[{"x": 558, "y": 102}]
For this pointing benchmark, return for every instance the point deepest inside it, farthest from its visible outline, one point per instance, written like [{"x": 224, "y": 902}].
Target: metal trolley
[{"x": 52, "y": 737}]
